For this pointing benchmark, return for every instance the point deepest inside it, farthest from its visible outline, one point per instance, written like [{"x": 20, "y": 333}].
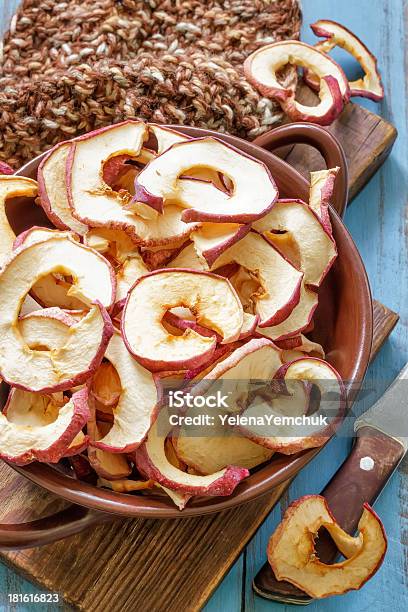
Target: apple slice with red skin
[
  {"x": 292, "y": 555},
  {"x": 315, "y": 247},
  {"x": 151, "y": 461},
  {"x": 210, "y": 297},
  {"x": 294, "y": 245},
  {"x": 27, "y": 434},
  {"x": 120, "y": 172},
  {"x": 138, "y": 401},
  {"x": 39, "y": 234},
  {"x": 78, "y": 445},
  {"x": 52, "y": 189},
  {"x": 102, "y": 288},
  {"x": 74, "y": 362},
  {"x": 321, "y": 191},
  {"x": 53, "y": 289},
  {"x": 218, "y": 448},
  {"x": 337, "y": 35},
  {"x": 35, "y": 410},
  {"x": 258, "y": 359},
  {"x": 280, "y": 280},
  {"x": 163, "y": 230},
  {"x": 187, "y": 258},
  {"x": 299, "y": 346},
  {"x": 63, "y": 367},
  {"x": 212, "y": 239},
  {"x": 298, "y": 320},
  {"x": 165, "y": 137},
  {"x": 5, "y": 168},
  {"x": 307, "y": 370},
  {"x": 111, "y": 466},
  {"x": 170, "y": 227},
  {"x": 91, "y": 199},
  {"x": 262, "y": 66},
  {"x": 222, "y": 351},
  {"x": 159, "y": 183},
  {"x": 11, "y": 187}
]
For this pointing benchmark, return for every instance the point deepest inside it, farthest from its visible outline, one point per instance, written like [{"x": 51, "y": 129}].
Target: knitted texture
[{"x": 70, "y": 66}]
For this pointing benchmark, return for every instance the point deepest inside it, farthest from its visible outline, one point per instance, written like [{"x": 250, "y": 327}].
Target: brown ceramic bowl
[{"x": 343, "y": 324}]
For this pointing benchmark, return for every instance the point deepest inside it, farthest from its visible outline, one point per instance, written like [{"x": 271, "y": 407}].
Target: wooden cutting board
[{"x": 174, "y": 565}]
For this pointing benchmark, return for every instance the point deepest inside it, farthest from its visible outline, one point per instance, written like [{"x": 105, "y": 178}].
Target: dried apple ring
[
  {"x": 292, "y": 554},
  {"x": 282, "y": 437},
  {"x": 337, "y": 35},
  {"x": 298, "y": 320},
  {"x": 137, "y": 404},
  {"x": 106, "y": 465},
  {"x": 313, "y": 243},
  {"x": 35, "y": 410},
  {"x": 11, "y": 187},
  {"x": 160, "y": 183},
  {"x": 215, "y": 450},
  {"x": 281, "y": 282},
  {"x": 299, "y": 346},
  {"x": 91, "y": 199},
  {"x": 321, "y": 191},
  {"x": 53, "y": 289},
  {"x": 75, "y": 361},
  {"x": 210, "y": 297},
  {"x": 261, "y": 68},
  {"x": 28, "y": 433},
  {"x": 152, "y": 462},
  {"x": 52, "y": 189},
  {"x": 212, "y": 239},
  {"x": 165, "y": 137}
]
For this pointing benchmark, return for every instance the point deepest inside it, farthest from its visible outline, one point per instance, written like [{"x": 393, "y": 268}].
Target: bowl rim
[{"x": 142, "y": 506}]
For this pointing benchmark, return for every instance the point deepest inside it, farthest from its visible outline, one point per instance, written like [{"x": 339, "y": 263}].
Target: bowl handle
[
  {"x": 67, "y": 522},
  {"x": 320, "y": 139}
]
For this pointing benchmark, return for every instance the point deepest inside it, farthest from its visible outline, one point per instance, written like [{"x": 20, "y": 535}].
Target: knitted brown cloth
[{"x": 69, "y": 66}]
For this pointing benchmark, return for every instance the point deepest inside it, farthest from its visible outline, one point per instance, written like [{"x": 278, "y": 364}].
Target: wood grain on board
[{"x": 169, "y": 565}]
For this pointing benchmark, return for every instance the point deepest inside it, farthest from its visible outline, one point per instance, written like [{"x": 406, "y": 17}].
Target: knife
[{"x": 378, "y": 449}]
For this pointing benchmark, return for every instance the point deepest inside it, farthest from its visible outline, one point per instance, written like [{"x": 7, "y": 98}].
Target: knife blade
[{"x": 380, "y": 445}]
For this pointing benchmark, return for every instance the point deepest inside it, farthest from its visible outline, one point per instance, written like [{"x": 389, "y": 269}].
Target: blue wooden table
[{"x": 378, "y": 221}]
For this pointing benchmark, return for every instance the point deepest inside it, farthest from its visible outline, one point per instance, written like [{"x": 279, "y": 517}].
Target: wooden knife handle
[{"x": 359, "y": 479}]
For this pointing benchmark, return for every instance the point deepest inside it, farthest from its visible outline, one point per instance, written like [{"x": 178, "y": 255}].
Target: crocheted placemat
[{"x": 70, "y": 66}]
